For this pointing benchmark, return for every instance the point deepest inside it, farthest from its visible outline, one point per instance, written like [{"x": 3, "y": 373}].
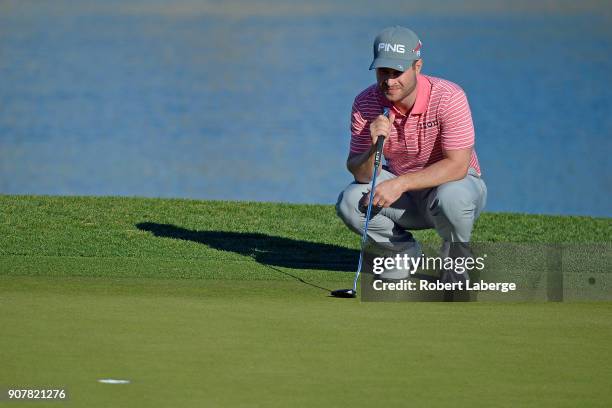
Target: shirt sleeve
[
  {"x": 456, "y": 123},
  {"x": 360, "y": 131}
]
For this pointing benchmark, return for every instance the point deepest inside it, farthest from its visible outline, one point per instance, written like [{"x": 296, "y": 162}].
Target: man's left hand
[{"x": 385, "y": 194}]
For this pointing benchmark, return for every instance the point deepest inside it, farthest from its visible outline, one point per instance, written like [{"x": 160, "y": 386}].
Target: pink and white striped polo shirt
[{"x": 439, "y": 120}]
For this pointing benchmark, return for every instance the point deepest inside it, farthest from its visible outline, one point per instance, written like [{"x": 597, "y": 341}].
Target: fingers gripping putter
[{"x": 351, "y": 293}]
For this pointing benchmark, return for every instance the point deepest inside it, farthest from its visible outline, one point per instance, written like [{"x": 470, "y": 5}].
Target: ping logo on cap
[{"x": 399, "y": 48}]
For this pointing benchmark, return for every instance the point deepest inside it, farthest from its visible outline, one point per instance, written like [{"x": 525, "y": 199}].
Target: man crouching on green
[{"x": 432, "y": 178}]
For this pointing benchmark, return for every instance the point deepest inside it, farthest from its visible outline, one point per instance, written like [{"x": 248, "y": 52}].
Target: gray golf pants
[{"x": 451, "y": 208}]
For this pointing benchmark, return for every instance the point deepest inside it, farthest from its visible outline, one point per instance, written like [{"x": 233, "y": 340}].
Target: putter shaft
[{"x": 364, "y": 237}]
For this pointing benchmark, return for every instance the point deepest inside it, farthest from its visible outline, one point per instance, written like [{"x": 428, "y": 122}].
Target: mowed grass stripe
[{"x": 168, "y": 268}]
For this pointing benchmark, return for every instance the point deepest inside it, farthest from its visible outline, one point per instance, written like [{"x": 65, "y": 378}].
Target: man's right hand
[
  {"x": 361, "y": 164},
  {"x": 381, "y": 126}
]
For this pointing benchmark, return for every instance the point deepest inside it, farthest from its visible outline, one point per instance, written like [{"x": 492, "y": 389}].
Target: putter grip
[
  {"x": 379, "y": 147},
  {"x": 380, "y": 142}
]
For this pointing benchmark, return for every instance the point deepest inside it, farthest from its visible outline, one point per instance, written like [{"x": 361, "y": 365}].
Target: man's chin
[{"x": 392, "y": 97}]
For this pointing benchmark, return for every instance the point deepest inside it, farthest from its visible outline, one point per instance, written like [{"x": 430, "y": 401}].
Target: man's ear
[{"x": 417, "y": 65}]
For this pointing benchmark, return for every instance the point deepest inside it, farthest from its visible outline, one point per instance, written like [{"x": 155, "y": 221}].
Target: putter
[{"x": 351, "y": 293}]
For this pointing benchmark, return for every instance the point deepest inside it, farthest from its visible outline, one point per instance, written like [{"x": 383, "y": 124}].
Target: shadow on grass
[{"x": 266, "y": 249}]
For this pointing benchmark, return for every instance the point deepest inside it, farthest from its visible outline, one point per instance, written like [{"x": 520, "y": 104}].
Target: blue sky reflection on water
[{"x": 254, "y": 105}]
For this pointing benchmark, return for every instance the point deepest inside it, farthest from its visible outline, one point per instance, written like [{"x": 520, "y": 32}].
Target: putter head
[{"x": 344, "y": 293}]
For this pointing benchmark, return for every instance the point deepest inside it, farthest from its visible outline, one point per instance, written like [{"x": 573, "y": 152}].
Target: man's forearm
[
  {"x": 434, "y": 175},
  {"x": 362, "y": 165}
]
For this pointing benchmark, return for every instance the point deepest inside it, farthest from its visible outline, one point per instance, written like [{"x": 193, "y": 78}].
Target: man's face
[{"x": 397, "y": 85}]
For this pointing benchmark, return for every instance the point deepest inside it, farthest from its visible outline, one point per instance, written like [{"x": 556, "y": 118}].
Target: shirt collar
[{"x": 423, "y": 92}]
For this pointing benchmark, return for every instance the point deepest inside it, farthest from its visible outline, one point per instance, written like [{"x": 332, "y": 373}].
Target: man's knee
[
  {"x": 341, "y": 206},
  {"x": 347, "y": 206},
  {"x": 454, "y": 202}
]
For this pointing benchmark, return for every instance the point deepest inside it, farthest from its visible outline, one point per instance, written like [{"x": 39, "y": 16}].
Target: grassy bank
[
  {"x": 225, "y": 304},
  {"x": 133, "y": 237}
]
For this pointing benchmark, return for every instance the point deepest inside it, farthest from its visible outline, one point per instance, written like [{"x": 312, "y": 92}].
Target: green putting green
[
  {"x": 277, "y": 343},
  {"x": 226, "y": 304}
]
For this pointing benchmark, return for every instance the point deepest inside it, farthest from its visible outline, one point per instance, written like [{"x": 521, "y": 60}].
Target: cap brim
[{"x": 400, "y": 65}]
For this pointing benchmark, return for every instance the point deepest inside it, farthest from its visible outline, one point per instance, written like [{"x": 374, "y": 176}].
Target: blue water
[{"x": 252, "y": 103}]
